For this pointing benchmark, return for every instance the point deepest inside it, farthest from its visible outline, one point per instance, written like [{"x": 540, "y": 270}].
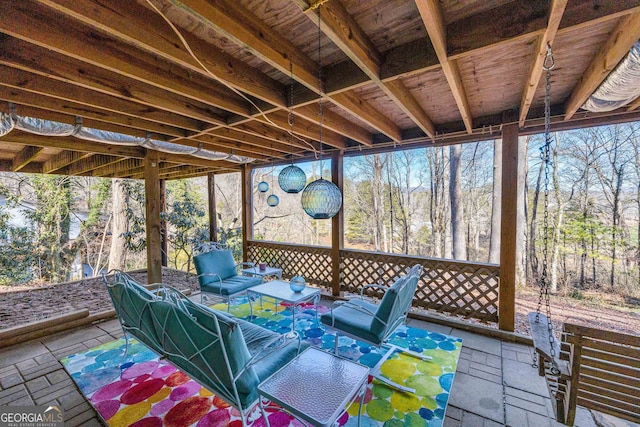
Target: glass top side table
[
  {"x": 316, "y": 387},
  {"x": 269, "y": 271}
]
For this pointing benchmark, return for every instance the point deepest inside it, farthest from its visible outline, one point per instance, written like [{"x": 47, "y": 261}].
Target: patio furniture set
[{"x": 253, "y": 363}]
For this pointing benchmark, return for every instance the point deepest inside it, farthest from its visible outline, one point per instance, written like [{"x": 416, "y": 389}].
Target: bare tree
[
  {"x": 496, "y": 203},
  {"x": 457, "y": 211},
  {"x": 611, "y": 177},
  {"x": 119, "y": 224}
]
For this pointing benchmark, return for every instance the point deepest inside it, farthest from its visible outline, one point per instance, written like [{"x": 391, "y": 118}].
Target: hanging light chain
[
  {"x": 320, "y": 91},
  {"x": 545, "y": 155}
]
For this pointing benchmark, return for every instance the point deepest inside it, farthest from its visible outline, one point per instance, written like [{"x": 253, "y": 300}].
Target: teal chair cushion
[
  {"x": 231, "y": 285},
  {"x": 353, "y": 321},
  {"x": 386, "y": 305},
  {"x": 217, "y": 262},
  {"x": 131, "y": 301}
]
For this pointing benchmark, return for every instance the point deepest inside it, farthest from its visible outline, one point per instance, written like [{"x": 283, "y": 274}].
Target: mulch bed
[{"x": 23, "y": 304}]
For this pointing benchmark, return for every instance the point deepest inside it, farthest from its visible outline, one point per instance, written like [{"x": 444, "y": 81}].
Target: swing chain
[{"x": 545, "y": 156}]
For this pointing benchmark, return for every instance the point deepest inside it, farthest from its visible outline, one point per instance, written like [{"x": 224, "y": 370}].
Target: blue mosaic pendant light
[
  {"x": 273, "y": 200},
  {"x": 292, "y": 179},
  {"x": 263, "y": 186},
  {"x": 321, "y": 199}
]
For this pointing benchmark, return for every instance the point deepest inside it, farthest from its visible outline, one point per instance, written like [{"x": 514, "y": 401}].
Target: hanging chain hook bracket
[{"x": 549, "y": 61}]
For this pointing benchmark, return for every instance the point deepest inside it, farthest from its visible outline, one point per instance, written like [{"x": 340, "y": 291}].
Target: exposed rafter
[
  {"x": 432, "y": 18},
  {"x": 555, "y": 16},
  {"x": 623, "y": 37},
  {"x": 24, "y": 157},
  {"x": 237, "y": 23},
  {"x": 345, "y": 32},
  {"x": 63, "y": 159}
]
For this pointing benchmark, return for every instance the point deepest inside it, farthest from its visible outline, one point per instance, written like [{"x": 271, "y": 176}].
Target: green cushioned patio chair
[
  {"x": 218, "y": 275},
  {"x": 228, "y": 356},
  {"x": 374, "y": 323}
]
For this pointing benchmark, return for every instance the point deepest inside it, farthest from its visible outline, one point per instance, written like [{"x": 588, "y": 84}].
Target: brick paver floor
[{"x": 495, "y": 383}]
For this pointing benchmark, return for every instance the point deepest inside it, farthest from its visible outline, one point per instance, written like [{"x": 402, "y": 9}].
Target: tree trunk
[
  {"x": 521, "y": 223},
  {"x": 616, "y": 222},
  {"x": 119, "y": 226},
  {"x": 496, "y": 203},
  {"x": 455, "y": 195},
  {"x": 533, "y": 256}
]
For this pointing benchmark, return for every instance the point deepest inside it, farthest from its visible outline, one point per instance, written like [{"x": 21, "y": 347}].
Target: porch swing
[{"x": 547, "y": 347}]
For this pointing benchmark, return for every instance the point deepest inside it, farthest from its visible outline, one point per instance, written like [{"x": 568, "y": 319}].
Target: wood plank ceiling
[{"x": 228, "y": 75}]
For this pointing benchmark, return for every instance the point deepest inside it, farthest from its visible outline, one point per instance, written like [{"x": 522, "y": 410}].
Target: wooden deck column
[
  {"x": 508, "y": 227},
  {"x": 163, "y": 223},
  {"x": 152, "y": 202},
  {"x": 247, "y": 208},
  {"x": 337, "y": 224},
  {"x": 213, "y": 217}
]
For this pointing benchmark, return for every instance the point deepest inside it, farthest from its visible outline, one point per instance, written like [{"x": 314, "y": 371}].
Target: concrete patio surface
[{"x": 494, "y": 385}]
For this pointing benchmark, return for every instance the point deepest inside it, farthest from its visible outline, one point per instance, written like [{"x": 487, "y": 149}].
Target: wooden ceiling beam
[
  {"x": 519, "y": 20},
  {"x": 248, "y": 141},
  {"x": 265, "y": 131},
  {"x": 556, "y": 12},
  {"x": 306, "y": 129},
  {"x": 24, "y": 157},
  {"x": 62, "y": 160},
  {"x": 433, "y": 21},
  {"x": 336, "y": 123},
  {"x": 345, "y": 32},
  {"x": 240, "y": 25},
  {"x": 124, "y": 165},
  {"x": 39, "y": 25},
  {"x": 7, "y": 166},
  {"x": 22, "y": 97},
  {"x": 91, "y": 163},
  {"x": 351, "y": 102},
  {"x": 33, "y": 83},
  {"x": 622, "y": 38},
  {"x": 145, "y": 29},
  {"x": 19, "y": 55},
  {"x": 215, "y": 143}
]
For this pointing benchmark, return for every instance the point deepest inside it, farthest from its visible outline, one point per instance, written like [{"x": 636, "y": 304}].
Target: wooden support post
[
  {"x": 213, "y": 216},
  {"x": 163, "y": 223},
  {"x": 337, "y": 224},
  {"x": 508, "y": 227},
  {"x": 152, "y": 202},
  {"x": 247, "y": 209}
]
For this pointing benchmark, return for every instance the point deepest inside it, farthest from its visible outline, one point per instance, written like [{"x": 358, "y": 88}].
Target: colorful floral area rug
[{"x": 143, "y": 390}]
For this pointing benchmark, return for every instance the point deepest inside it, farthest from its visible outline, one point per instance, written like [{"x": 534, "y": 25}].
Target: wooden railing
[
  {"x": 312, "y": 262},
  {"x": 467, "y": 289}
]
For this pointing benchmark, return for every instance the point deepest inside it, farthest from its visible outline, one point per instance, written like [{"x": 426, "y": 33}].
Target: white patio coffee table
[
  {"x": 280, "y": 291},
  {"x": 269, "y": 271},
  {"x": 316, "y": 387}
]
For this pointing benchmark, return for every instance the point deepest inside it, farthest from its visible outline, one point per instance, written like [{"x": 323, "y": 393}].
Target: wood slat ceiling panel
[
  {"x": 9, "y": 150},
  {"x": 347, "y": 115},
  {"x": 190, "y": 24},
  {"x": 456, "y": 10},
  {"x": 288, "y": 20},
  {"x": 573, "y": 51},
  {"x": 376, "y": 98},
  {"x": 494, "y": 79},
  {"x": 432, "y": 91},
  {"x": 375, "y": 19},
  {"x": 46, "y": 154}
]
